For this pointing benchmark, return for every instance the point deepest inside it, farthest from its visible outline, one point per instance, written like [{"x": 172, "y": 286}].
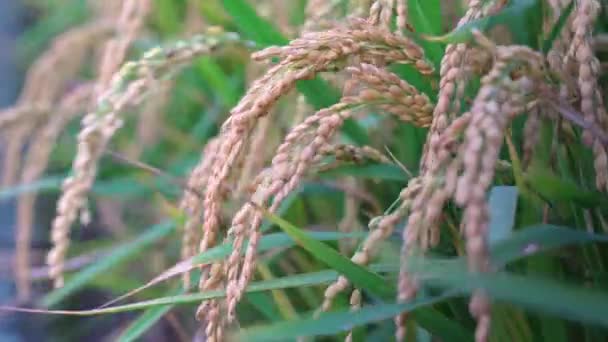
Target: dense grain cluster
[
  {"x": 127, "y": 87},
  {"x": 45, "y": 106},
  {"x": 303, "y": 58},
  {"x": 592, "y": 104},
  {"x": 468, "y": 176},
  {"x": 301, "y": 147}
]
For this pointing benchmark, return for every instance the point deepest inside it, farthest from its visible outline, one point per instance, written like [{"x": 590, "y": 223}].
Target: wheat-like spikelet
[
  {"x": 304, "y": 57},
  {"x": 592, "y": 106},
  {"x": 127, "y": 87},
  {"x": 210, "y": 311},
  {"x": 561, "y": 66},
  {"x": 327, "y": 50},
  {"x": 305, "y": 145},
  {"x": 191, "y": 203},
  {"x": 45, "y": 82},
  {"x": 454, "y": 74},
  {"x": 36, "y": 160},
  {"x": 400, "y": 98},
  {"x": 499, "y": 99},
  {"x": 381, "y": 13},
  {"x": 129, "y": 24},
  {"x": 39, "y": 115},
  {"x": 451, "y": 87},
  {"x": 556, "y": 56},
  {"x": 283, "y": 179},
  {"x": 469, "y": 175}
]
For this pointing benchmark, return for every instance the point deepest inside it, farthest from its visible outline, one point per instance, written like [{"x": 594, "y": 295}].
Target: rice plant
[{"x": 333, "y": 170}]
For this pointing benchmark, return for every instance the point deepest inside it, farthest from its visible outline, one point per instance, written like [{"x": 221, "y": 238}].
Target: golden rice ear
[
  {"x": 91, "y": 139},
  {"x": 45, "y": 83},
  {"x": 591, "y": 100},
  {"x": 499, "y": 99},
  {"x": 36, "y": 161},
  {"x": 41, "y": 112},
  {"x": 453, "y": 79},
  {"x": 127, "y": 87},
  {"x": 392, "y": 94},
  {"x": 303, "y": 58}
]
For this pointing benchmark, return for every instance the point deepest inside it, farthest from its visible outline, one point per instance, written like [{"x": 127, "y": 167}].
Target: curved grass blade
[
  {"x": 536, "y": 294},
  {"x": 426, "y": 19},
  {"x": 537, "y": 239},
  {"x": 553, "y": 188},
  {"x": 558, "y": 27},
  {"x": 544, "y": 237},
  {"x": 120, "y": 255},
  {"x": 358, "y": 275},
  {"x": 144, "y": 322},
  {"x": 308, "y": 279},
  {"x": 334, "y": 322},
  {"x": 361, "y": 277},
  {"x": 505, "y": 251},
  {"x": 389, "y": 172},
  {"x": 271, "y": 241},
  {"x": 514, "y": 16},
  {"x": 248, "y": 21}
]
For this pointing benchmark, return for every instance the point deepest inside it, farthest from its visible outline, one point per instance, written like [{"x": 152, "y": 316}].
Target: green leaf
[
  {"x": 217, "y": 79},
  {"x": 426, "y": 18},
  {"x": 553, "y": 188},
  {"x": 503, "y": 204},
  {"x": 308, "y": 279},
  {"x": 252, "y": 25},
  {"x": 358, "y": 275},
  {"x": 213, "y": 12},
  {"x": 166, "y": 15},
  {"x": 121, "y": 254},
  {"x": 536, "y": 294},
  {"x": 536, "y": 239},
  {"x": 264, "y": 303},
  {"x": 334, "y": 322},
  {"x": 515, "y": 16},
  {"x": 504, "y": 251},
  {"x": 123, "y": 187},
  {"x": 268, "y": 242},
  {"x": 370, "y": 171},
  {"x": 144, "y": 322}
]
